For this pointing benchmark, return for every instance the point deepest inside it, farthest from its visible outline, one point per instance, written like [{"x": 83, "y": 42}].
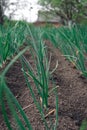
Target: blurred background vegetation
[{"x": 69, "y": 11}]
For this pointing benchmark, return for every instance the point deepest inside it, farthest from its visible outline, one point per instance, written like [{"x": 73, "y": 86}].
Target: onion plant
[
  {"x": 83, "y": 125},
  {"x": 6, "y": 97},
  {"x": 40, "y": 57},
  {"x": 72, "y": 41},
  {"x": 40, "y": 74},
  {"x": 12, "y": 39}
]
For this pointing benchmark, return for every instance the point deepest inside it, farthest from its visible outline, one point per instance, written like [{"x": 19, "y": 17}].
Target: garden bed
[{"x": 72, "y": 94}]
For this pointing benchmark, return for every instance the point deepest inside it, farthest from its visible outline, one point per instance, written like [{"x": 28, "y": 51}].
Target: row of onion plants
[
  {"x": 35, "y": 45},
  {"x": 11, "y": 37},
  {"x": 72, "y": 41}
]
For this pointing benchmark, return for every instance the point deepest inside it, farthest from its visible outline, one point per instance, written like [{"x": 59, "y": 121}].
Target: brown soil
[{"x": 72, "y": 94}]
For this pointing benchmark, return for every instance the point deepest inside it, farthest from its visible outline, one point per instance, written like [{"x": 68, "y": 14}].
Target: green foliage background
[{"x": 68, "y": 10}]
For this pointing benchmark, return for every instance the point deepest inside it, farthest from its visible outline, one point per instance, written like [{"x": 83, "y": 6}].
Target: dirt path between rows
[{"x": 72, "y": 93}]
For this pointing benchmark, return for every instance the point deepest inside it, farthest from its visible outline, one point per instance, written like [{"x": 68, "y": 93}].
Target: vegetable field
[{"x": 43, "y": 77}]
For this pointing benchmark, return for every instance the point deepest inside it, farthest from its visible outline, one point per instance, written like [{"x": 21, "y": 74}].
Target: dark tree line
[{"x": 1, "y": 12}]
